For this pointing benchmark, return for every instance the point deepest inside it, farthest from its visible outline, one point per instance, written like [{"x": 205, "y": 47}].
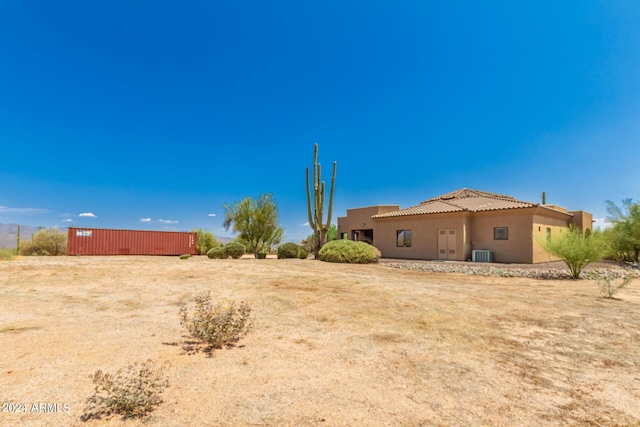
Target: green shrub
[
  {"x": 206, "y": 241},
  {"x": 185, "y": 256},
  {"x": 349, "y": 251},
  {"x": 7, "y": 254},
  {"x": 292, "y": 250},
  {"x": 48, "y": 241},
  {"x": 234, "y": 249},
  {"x": 216, "y": 324},
  {"x": 133, "y": 392},
  {"x": 217, "y": 253},
  {"x": 575, "y": 248}
]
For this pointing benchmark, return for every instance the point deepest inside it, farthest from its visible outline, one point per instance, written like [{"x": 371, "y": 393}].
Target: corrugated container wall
[{"x": 102, "y": 241}]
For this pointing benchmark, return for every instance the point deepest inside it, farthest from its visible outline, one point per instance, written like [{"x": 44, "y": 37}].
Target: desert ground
[{"x": 332, "y": 344}]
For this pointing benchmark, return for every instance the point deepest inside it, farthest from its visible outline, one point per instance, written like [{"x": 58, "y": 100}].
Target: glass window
[
  {"x": 403, "y": 238},
  {"x": 501, "y": 233}
]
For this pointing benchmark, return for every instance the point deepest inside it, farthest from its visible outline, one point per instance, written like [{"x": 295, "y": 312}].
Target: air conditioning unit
[{"x": 482, "y": 256}]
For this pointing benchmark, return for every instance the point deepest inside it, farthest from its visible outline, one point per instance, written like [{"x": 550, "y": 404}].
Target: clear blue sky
[{"x": 153, "y": 114}]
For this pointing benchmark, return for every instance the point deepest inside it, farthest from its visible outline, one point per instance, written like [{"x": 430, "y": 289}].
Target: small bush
[
  {"x": 133, "y": 392},
  {"x": 7, "y": 254},
  {"x": 206, "y": 241},
  {"x": 185, "y": 256},
  {"x": 607, "y": 285},
  {"x": 575, "y": 248},
  {"x": 349, "y": 251},
  {"x": 234, "y": 249},
  {"x": 216, "y": 324},
  {"x": 217, "y": 253},
  {"x": 292, "y": 250},
  {"x": 48, "y": 241}
]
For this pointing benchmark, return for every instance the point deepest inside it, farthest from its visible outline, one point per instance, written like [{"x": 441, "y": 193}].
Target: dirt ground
[{"x": 332, "y": 344}]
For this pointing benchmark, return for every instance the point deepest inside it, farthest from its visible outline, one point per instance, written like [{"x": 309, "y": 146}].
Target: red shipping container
[{"x": 103, "y": 241}]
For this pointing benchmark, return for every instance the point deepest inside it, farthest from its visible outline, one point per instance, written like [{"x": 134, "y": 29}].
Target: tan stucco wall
[
  {"x": 424, "y": 234},
  {"x": 517, "y": 248},
  {"x": 360, "y": 218},
  {"x": 582, "y": 220},
  {"x": 474, "y": 231}
]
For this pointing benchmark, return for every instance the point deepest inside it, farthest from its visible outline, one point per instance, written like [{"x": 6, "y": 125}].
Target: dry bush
[
  {"x": 133, "y": 392},
  {"x": 48, "y": 241},
  {"x": 607, "y": 285},
  {"x": 216, "y": 324}
]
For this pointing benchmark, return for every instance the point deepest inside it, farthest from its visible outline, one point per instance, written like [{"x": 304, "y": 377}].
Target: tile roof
[{"x": 463, "y": 200}]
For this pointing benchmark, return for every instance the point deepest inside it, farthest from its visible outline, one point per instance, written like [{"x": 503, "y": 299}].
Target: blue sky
[{"x": 153, "y": 114}]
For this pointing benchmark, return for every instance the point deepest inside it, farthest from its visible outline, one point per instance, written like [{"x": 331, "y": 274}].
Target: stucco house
[{"x": 464, "y": 225}]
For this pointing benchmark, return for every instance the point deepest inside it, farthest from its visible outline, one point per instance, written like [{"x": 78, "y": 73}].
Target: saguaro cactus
[{"x": 316, "y": 214}]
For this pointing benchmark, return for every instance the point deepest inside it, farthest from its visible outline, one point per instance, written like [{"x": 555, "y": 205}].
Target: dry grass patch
[{"x": 332, "y": 344}]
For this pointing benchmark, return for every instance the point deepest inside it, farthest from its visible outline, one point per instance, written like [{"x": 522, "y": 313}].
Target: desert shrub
[
  {"x": 292, "y": 250},
  {"x": 185, "y": 256},
  {"x": 349, "y": 251},
  {"x": 48, "y": 241},
  {"x": 217, "y": 253},
  {"x": 131, "y": 392},
  {"x": 575, "y": 248},
  {"x": 216, "y": 324},
  {"x": 234, "y": 249},
  {"x": 623, "y": 236},
  {"x": 7, "y": 254},
  {"x": 608, "y": 285},
  {"x": 206, "y": 241}
]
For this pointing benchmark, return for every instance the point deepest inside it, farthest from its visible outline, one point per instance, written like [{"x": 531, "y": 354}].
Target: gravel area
[{"x": 549, "y": 270}]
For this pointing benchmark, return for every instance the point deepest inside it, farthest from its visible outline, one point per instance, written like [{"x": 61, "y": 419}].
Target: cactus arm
[
  {"x": 333, "y": 183},
  {"x": 309, "y": 201}
]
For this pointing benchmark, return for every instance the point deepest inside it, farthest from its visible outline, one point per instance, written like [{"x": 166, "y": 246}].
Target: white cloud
[
  {"x": 306, "y": 224},
  {"x": 67, "y": 220},
  {"x": 145, "y": 219},
  {"x": 211, "y": 214},
  {"x": 168, "y": 221},
  {"x": 6, "y": 209},
  {"x": 89, "y": 215}
]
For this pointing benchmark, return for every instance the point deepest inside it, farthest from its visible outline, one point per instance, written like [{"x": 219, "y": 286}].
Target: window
[
  {"x": 501, "y": 233},
  {"x": 403, "y": 238},
  {"x": 548, "y": 234}
]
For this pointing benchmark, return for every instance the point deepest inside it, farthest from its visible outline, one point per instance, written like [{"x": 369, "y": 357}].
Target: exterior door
[{"x": 447, "y": 240}]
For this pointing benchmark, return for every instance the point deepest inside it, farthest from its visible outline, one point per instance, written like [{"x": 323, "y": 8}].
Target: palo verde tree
[
  {"x": 316, "y": 213},
  {"x": 575, "y": 248},
  {"x": 256, "y": 221},
  {"x": 624, "y": 234}
]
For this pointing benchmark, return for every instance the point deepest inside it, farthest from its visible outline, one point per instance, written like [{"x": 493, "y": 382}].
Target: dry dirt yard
[{"x": 332, "y": 344}]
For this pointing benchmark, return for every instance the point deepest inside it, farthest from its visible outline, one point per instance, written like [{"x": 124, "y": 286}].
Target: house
[{"x": 462, "y": 225}]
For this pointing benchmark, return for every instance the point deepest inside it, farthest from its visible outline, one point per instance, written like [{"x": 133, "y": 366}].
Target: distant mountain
[{"x": 223, "y": 239}]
